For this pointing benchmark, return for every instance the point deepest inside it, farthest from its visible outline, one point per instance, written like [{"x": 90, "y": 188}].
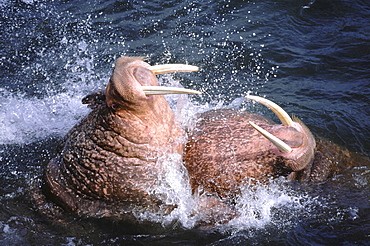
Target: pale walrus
[{"x": 108, "y": 163}]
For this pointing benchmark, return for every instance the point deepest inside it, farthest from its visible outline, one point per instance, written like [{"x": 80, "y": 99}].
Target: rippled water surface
[{"x": 311, "y": 57}]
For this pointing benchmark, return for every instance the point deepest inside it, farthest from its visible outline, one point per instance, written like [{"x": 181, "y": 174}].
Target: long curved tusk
[
  {"x": 283, "y": 116},
  {"x": 171, "y": 68},
  {"x": 162, "y": 90},
  {"x": 283, "y": 147}
]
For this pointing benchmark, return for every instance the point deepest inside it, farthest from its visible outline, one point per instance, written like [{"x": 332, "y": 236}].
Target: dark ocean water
[{"x": 311, "y": 57}]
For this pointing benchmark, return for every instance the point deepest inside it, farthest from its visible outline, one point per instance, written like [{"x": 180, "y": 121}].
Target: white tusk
[
  {"x": 283, "y": 116},
  {"x": 161, "y": 90},
  {"x": 283, "y": 147},
  {"x": 171, "y": 68}
]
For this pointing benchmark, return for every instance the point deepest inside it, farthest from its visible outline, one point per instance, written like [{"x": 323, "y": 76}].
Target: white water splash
[
  {"x": 260, "y": 205},
  {"x": 23, "y": 119},
  {"x": 174, "y": 188}
]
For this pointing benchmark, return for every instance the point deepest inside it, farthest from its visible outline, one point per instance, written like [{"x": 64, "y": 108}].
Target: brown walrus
[
  {"x": 109, "y": 161},
  {"x": 227, "y": 151}
]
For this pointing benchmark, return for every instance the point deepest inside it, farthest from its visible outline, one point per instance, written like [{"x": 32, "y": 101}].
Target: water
[{"x": 311, "y": 57}]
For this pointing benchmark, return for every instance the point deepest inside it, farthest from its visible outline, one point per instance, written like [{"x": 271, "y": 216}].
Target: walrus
[
  {"x": 109, "y": 161},
  {"x": 228, "y": 149}
]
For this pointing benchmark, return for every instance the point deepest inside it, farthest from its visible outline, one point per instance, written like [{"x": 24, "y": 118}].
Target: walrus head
[
  {"x": 133, "y": 83},
  {"x": 293, "y": 140}
]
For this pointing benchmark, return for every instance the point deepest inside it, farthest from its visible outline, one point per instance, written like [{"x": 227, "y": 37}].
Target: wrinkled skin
[
  {"x": 109, "y": 160},
  {"x": 224, "y": 153}
]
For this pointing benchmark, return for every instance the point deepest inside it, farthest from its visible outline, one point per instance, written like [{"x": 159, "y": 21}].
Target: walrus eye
[{"x": 114, "y": 106}]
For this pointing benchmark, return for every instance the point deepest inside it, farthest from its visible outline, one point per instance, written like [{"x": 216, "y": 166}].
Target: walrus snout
[
  {"x": 124, "y": 87},
  {"x": 133, "y": 82},
  {"x": 300, "y": 152}
]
